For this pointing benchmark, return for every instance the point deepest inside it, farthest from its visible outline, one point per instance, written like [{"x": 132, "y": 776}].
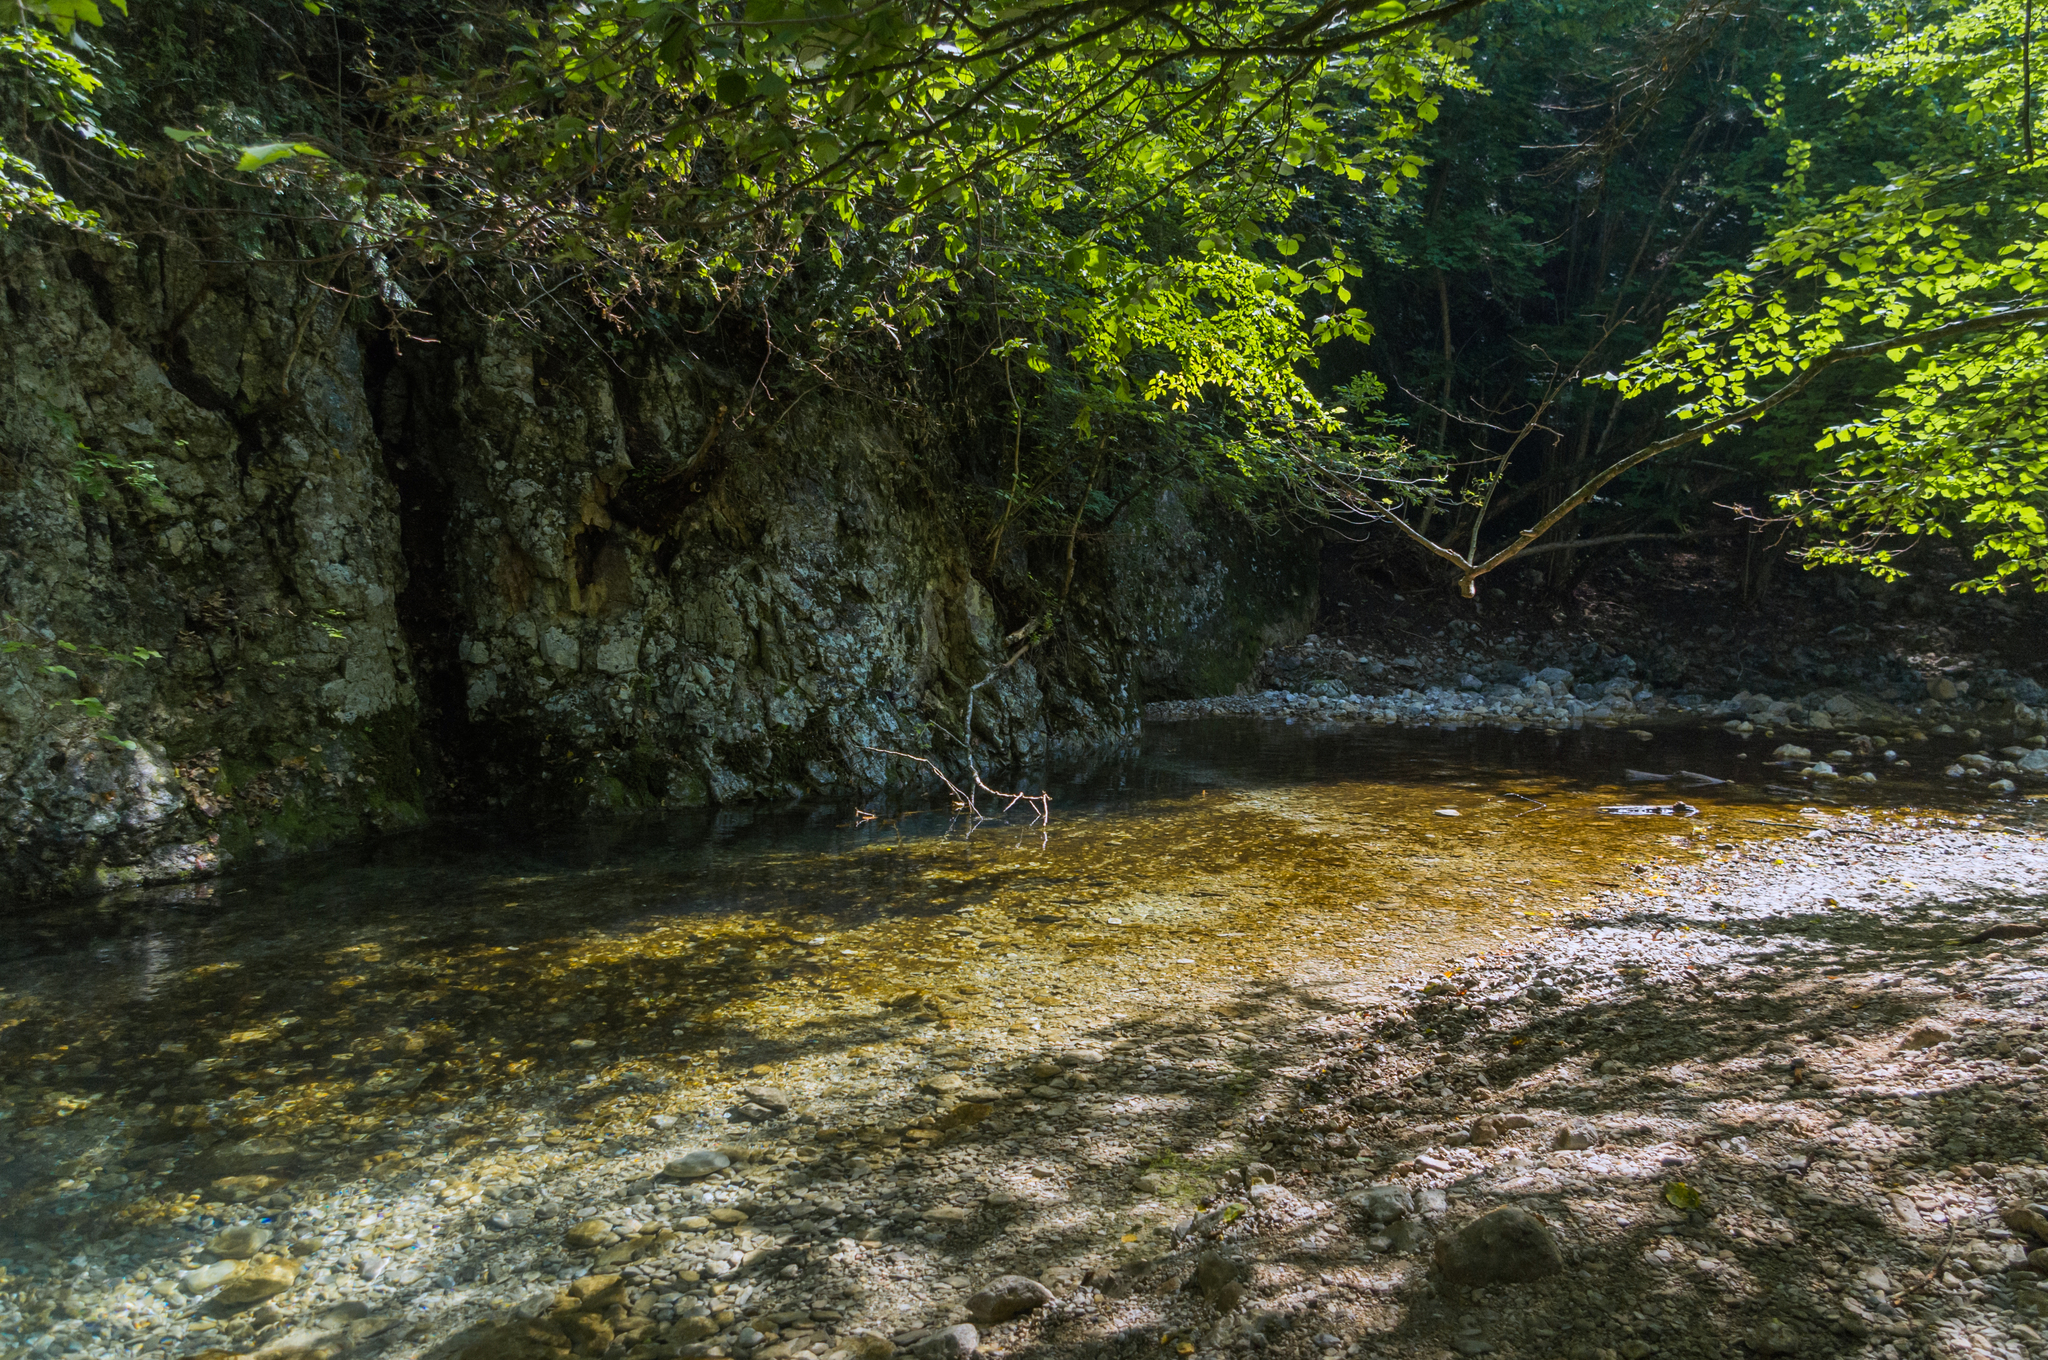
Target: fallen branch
[{"x": 963, "y": 799}]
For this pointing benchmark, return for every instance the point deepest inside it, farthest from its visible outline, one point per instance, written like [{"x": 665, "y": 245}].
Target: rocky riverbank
[
  {"x": 1847, "y": 732},
  {"x": 1768, "y": 1099}
]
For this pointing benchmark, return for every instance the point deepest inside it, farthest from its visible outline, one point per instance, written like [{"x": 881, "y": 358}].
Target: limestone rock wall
[{"x": 384, "y": 582}]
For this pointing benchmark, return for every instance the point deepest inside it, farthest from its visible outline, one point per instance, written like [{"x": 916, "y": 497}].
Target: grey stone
[
  {"x": 696, "y": 1163},
  {"x": 1005, "y": 1297},
  {"x": 239, "y": 1244},
  {"x": 1402, "y": 1237},
  {"x": 1221, "y": 1278},
  {"x": 949, "y": 1343},
  {"x": 1384, "y": 1203},
  {"x": 1507, "y": 1246}
]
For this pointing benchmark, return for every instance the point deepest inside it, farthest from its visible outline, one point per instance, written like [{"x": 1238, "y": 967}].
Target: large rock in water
[
  {"x": 1005, "y": 1297},
  {"x": 1506, "y": 1246}
]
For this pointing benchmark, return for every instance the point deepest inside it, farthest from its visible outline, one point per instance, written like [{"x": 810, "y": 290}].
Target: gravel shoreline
[{"x": 1291, "y": 1145}]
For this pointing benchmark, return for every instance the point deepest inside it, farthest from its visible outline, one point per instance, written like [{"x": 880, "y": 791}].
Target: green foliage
[
  {"x": 1101, "y": 179},
  {"x": 57, "y": 658},
  {"x": 1933, "y": 279},
  {"x": 97, "y": 474},
  {"x": 43, "y": 86}
]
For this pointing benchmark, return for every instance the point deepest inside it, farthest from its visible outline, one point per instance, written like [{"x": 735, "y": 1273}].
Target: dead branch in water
[{"x": 964, "y": 799}]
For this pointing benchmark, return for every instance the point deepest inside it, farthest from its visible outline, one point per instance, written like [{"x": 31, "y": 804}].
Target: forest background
[{"x": 1500, "y": 279}]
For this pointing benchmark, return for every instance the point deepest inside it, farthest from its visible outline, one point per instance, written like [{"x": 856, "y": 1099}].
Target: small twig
[{"x": 1928, "y": 1278}]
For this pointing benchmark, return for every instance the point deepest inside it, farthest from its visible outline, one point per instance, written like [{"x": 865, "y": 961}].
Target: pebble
[
  {"x": 261, "y": 1278},
  {"x": 1384, "y": 1203},
  {"x": 950, "y": 1343},
  {"x": 1926, "y": 1036},
  {"x": 206, "y": 1277},
  {"x": 1221, "y": 1277},
  {"x": 589, "y": 1233},
  {"x": 239, "y": 1244}
]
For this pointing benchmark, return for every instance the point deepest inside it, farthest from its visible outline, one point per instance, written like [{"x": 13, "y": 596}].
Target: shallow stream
[{"x": 571, "y": 983}]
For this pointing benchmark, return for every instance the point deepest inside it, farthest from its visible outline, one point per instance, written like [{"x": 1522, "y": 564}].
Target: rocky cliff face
[{"x": 390, "y": 581}]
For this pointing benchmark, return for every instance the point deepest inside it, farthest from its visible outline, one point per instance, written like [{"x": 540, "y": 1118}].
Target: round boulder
[
  {"x": 1507, "y": 1246},
  {"x": 1005, "y": 1297}
]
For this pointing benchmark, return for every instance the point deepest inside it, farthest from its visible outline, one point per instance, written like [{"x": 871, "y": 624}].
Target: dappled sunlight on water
[{"x": 573, "y": 981}]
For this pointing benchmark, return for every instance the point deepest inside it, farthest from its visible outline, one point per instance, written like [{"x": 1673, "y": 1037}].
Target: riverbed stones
[
  {"x": 263, "y": 1277},
  {"x": 870, "y": 1345},
  {"x": 1575, "y": 1137},
  {"x": 1926, "y": 1035},
  {"x": 1005, "y": 1297},
  {"x": 2031, "y": 1219},
  {"x": 943, "y": 1083},
  {"x": 696, "y": 1164},
  {"x": 770, "y": 1098},
  {"x": 689, "y": 1329},
  {"x": 1384, "y": 1203},
  {"x": 199, "y": 1280},
  {"x": 1507, "y": 1246},
  {"x": 239, "y": 1244},
  {"x": 587, "y": 1234},
  {"x": 949, "y": 1343},
  {"x": 1222, "y": 1279}
]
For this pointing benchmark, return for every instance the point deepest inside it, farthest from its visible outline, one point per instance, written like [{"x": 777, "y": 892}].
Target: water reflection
[{"x": 443, "y": 975}]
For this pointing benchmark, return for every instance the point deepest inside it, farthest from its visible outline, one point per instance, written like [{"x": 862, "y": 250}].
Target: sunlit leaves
[
  {"x": 41, "y": 41},
  {"x": 1946, "y": 259},
  {"x": 1058, "y": 163}
]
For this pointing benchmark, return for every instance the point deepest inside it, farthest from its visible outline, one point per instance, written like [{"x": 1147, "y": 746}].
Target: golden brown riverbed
[{"x": 582, "y": 980}]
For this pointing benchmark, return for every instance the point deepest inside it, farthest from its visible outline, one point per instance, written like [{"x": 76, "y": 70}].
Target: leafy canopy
[{"x": 1938, "y": 279}]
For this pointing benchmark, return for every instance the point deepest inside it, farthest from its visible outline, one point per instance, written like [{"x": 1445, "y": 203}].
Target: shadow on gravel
[{"x": 1804, "y": 1151}]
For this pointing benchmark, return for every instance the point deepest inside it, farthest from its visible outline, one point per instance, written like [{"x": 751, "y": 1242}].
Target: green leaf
[
  {"x": 732, "y": 88},
  {"x": 270, "y": 153},
  {"x": 1679, "y": 1195}
]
